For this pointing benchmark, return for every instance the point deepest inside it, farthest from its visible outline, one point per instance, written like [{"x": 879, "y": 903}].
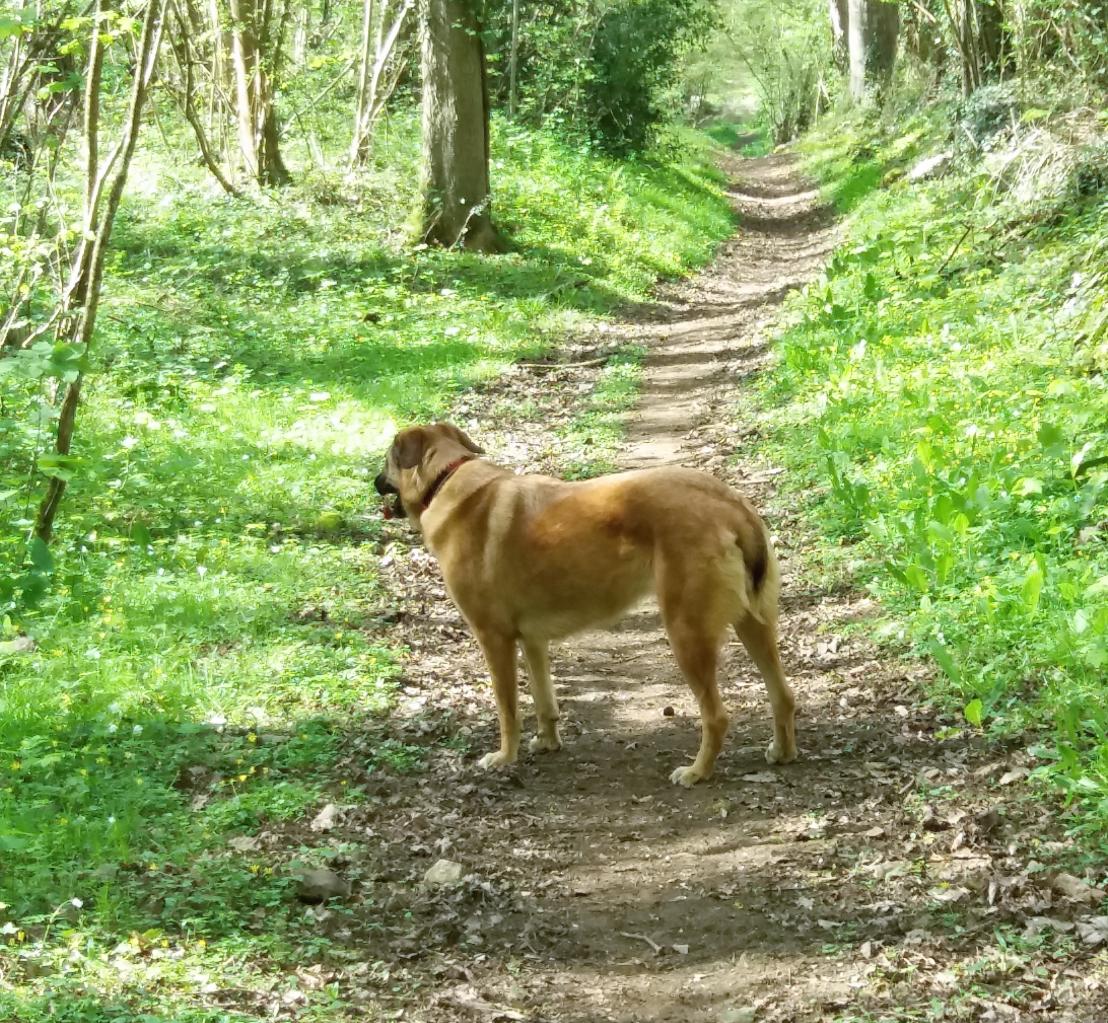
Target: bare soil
[{"x": 890, "y": 873}]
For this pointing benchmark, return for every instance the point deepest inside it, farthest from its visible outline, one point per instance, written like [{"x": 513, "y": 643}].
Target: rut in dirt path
[
  {"x": 710, "y": 339},
  {"x": 596, "y": 890}
]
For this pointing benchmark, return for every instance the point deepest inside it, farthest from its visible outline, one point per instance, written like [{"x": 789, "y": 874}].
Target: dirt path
[{"x": 871, "y": 875}]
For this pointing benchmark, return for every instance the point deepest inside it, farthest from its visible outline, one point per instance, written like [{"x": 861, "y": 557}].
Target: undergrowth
[{"x": 941, "y": 398}]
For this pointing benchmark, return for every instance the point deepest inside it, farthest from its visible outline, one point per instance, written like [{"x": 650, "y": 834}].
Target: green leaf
[
  {"x": 974, "y": 712},
  {"x": 1032, "y": 588},
  {"x": 41, "y": 557},
  {"x": 945, "y": 661},
  {"x": 60, "y": 466},
  {"x": 1052, "y": 439}
]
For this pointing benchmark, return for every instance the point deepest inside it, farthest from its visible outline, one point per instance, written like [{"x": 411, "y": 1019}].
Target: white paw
[
  {"x": 686, "y": 776},
  {"x": 539, "y": 744},
  {"x": 774, "y": 755},
  {"x": 492, "y": 761}
]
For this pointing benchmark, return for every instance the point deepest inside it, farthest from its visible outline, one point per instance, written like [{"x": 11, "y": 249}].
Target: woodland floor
[{"x": 888, "y": 874}]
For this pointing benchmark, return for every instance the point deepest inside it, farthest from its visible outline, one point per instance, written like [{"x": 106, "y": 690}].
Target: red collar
[{"x": 440, "y": 481}]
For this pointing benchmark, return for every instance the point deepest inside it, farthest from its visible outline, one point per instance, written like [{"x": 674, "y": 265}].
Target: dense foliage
[
  {"x": 793, "y": 57},
  {"x": 945, "y": 387},
  {"x": 606, "y": 71}
]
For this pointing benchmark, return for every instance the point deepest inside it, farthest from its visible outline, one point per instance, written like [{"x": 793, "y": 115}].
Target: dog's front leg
[
  {"x": 537, "y": 652},
  {"x": 500, "y": 655}
]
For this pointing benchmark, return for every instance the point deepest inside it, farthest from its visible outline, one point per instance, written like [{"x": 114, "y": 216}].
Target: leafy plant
[{"x": 959, "y": 434}]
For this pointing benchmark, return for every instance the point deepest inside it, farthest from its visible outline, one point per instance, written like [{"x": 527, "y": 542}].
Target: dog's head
[{"x": 416, "y": 459}]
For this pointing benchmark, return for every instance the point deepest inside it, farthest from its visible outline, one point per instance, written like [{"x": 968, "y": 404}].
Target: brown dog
[{"x": 528, "y": 559}]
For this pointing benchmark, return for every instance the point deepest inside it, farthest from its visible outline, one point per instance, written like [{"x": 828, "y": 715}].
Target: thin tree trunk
[
  {"x": 82, "y": 297},
  {"x": 181, "y": 42},
  {"x": 257, "y": 120},
  {"x": 856, "y": 48},
  {"x": 365, "y": 63},
  {"x": 839, "y": 18},
  {"x": 455, "y": 178},
  {"x": 513, "y": 60},
  {"x": 375, "y": 85}
]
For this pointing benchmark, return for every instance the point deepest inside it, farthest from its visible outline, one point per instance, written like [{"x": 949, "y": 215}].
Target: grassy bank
[
  {"x": 941, "y": 402},
  {"x": 205, "y": 649}
]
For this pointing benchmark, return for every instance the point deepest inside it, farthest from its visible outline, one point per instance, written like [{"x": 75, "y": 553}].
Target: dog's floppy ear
[
  {"x": 409, "y": 446},
  {"x": 461, "y": 437}
]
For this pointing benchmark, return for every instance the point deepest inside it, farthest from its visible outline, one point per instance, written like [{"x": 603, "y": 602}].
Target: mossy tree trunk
[{"x": 455, "y": 176}]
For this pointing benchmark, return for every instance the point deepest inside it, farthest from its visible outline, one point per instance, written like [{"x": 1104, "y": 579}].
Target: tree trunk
[
  {"x": 882, "y": 37},
  {"x": 962, "y": 16},
  {"x": 513, "y": 60},
  {"x": 359, "y": 142},
  {"x": 378, "y": 71},
  {"x": 77, "y": 313},
  {"x": 872, "y": 34},
  {"x": 455, "y": 174},
  {"x": 257, "y": 119},
  {"x": 839, "y": 18},
  {"x": 856, "y": 48},
  {"x": 995, "y": 44}
]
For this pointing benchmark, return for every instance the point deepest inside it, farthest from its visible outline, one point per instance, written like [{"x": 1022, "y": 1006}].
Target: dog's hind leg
[
  {"x": 537, "y": 652},
  {"x": 500, "y": 655},
  {"x": 696, "y": 647},
  {"x": 760, "y": 640}
]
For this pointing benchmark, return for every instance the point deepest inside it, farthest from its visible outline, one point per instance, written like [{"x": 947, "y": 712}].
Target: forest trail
[{"x": 595, "y": 890}]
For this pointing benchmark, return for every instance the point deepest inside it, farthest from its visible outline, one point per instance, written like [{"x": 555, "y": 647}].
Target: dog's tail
[{"x": 763, "y": 580}]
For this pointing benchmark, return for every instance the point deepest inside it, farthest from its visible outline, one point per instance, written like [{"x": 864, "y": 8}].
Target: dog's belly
[{"x": 563, "y": 604}]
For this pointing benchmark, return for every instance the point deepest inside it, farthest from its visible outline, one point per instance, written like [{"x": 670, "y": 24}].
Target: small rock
[
  {"x": 681, "y": 950},
  {"x": 443, "y": 872},
  {"x": 668, "y": 712},
  {"x": 318, "y": 884},
  {"x": 244, "y": 843},
  {"x": 325, "y": 819},
  {"x": 930, "y": 167}
]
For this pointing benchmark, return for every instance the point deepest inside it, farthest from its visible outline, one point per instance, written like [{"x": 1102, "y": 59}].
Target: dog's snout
[{"x": 383, "y": 485}]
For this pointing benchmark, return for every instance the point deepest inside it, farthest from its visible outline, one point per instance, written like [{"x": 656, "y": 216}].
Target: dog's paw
[
  {"x": 541, "y": 744},
  {"x": 493, "y": 761},
  {"x": 686, "y": 776},
  {"x": 775, "y": 755}
]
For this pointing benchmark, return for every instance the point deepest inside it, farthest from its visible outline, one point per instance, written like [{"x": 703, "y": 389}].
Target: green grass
[
  {"x": 208, "y": 661},
  {"x": 745, "y": 139},
  {"x": 939, "y": 403}
]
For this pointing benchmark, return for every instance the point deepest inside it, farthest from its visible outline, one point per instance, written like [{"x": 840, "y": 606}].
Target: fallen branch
[
  {"x": 564, "y": 365},
  {"x": 957, "y": 246},
  {"x": 642, "y": 937}
]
